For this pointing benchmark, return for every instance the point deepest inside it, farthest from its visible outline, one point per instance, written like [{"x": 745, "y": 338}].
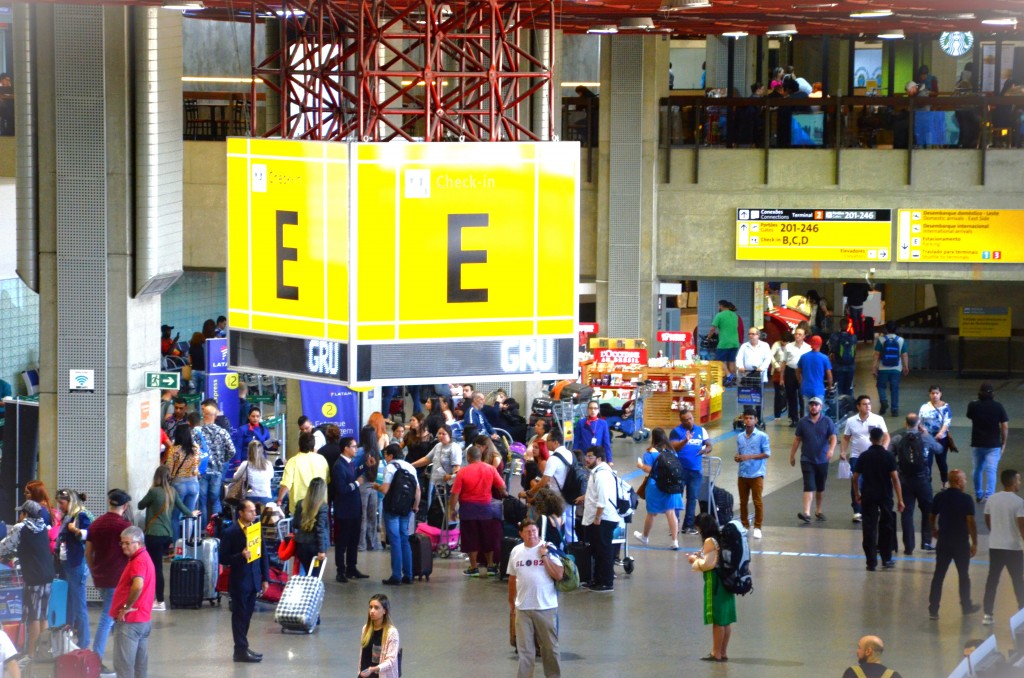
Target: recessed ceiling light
[
  {"x": 892, "y": 34},
  {"x": 643, "y": 23},
  {"x": 1000, "y": 21},
  {"x": 871, "y": 14},
  {"x": 183, "y": 5},
  {"x": 782, "y": 29},
  {"x": 735, "y": 34},
  {"x": 673, "y": 5},
  {"x": 603, "y": 29}
]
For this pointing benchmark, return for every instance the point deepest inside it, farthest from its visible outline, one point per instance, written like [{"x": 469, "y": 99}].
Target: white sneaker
[
  {"x": 640, "y": 536},
  {"x": 675, "y": 545},
  {"x": 856, "y": 517},
  {"x": 159, "y": 607},
  {"x": 987, "y": 620},
  {"x": 757, "y": 533}
]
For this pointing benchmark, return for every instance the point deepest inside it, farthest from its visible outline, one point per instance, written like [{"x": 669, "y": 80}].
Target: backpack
[
  {"x": 401, "y": 493},
  {"x": 910, "y": 453},
  {"x": 576, "y": 476},
  {"x": 891, "y": 351},
  {"x": 669, "y": 476},
  {"x": 846, "y": 349},
  {"x": 626, "y": 499},
  {"x": 734, "y": 559}
]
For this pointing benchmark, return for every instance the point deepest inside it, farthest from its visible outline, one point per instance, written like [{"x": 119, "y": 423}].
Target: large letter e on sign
[{"x": 458, "y": 256}]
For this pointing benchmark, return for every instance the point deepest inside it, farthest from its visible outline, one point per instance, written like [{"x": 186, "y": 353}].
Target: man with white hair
[{"x": 132, "y": 607}]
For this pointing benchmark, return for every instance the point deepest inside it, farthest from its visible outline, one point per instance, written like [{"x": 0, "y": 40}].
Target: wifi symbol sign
[{"x": 81, "y": 380}]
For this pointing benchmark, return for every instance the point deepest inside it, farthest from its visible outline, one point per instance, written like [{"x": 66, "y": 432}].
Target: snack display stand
[{"x": 694, "y": 383}]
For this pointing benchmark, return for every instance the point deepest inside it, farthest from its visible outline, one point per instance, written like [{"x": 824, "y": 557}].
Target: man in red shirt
[
  {"x": 132, "y": 607},
  {"x": 475, "y": 486},
  {"x": 106, "y": 560}
]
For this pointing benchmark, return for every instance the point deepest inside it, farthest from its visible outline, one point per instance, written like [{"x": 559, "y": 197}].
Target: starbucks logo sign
[{"x": 956, "y": 43}]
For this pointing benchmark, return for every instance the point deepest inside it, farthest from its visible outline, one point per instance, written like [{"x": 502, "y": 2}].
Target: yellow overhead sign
[
  {"x": 813, "y": 235},
  {"x": 960, "y": 236},
  {"x": 288, "y": 237},
  {"x": 465, "y": 240},
  {"x": 471, "y": 245},
  {"x": 985, "y": 321}
]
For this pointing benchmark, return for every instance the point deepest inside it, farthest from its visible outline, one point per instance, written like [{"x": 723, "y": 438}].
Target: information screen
[
  {"x": 960, "y": 236},
  {"x": 813, "y": 234}
]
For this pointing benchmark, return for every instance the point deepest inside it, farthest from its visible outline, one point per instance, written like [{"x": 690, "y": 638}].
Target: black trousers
[
  {"x": 944, "y": 554},
  {"x": 600, "y": 538},
  {"x": 346, "y": 544},
  {"x": 794, "y": 400},
  {"x": 242, "y": 607},
  {"x": 1013, "y": 561},
  {"x": 917, "y": 490},
  {"x": 879, "y": 528},
  {"x": 157, "y": 548}
]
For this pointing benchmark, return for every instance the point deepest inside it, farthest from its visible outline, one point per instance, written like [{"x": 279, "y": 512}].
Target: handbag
[
  {"x": 238, "y": 489},
  {"x": 844, "y": 470},
  {"x": 186, "y": 373},
  {"x": 952, "y": 445},
  {"x": 642, "y": 490}
]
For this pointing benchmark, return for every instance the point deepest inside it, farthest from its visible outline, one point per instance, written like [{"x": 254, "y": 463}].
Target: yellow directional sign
[
  {"x": 985, "y": 321},
  {"x": 960, "y": 236},
  {"x": 813, "y": 235}
]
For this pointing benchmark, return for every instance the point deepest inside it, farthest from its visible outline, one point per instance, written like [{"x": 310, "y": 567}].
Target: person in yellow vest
[{"x": 869, "y": 661}]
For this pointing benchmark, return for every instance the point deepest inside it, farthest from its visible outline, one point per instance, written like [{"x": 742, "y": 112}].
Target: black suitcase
[
  {"x": 188, "y": 583},
  {"x": 542, "y": 407},
  {"x": 507, "y": 544},
  {"x": 422, "y": 556},
  {"x": 577, "y": 392},
  {"x": 583, "y": 555}
]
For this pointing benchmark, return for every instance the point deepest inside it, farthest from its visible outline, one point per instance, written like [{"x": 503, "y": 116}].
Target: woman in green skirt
[{"x": 719, "y": 604}]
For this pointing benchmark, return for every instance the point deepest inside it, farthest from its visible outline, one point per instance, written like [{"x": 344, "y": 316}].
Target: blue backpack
[{"x": 891, "y": 351}]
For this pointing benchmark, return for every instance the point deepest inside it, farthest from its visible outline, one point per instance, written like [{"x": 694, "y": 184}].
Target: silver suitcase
[
  {"x": 193, "y": 545},
  {"x": 299, "y": 607}
]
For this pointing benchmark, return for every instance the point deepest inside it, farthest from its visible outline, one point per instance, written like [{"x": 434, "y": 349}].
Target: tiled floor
[{"x": 812, "y": 599}]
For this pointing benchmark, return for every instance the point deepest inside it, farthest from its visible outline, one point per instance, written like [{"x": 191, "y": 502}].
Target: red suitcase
[{"x": 78, "y": 664}]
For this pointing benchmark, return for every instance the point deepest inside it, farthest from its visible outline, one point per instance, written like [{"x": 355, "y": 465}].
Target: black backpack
[
  {"x": 910, "y": 453},
  {"x": 668, "y": 472},
  {"x": 734, "y": 559},
  {"x": 576, "y": 477},
  {"x": 401, "y": 493}
]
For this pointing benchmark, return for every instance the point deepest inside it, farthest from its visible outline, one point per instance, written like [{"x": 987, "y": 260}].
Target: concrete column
[
  {"x": 633, "y": 76},
  {"x": 90, "y": 61}
]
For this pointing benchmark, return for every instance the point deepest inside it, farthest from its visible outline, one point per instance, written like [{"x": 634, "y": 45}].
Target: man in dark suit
[
  {"x": 245, "y": 582},
  {"x": 346, "y": 478}
]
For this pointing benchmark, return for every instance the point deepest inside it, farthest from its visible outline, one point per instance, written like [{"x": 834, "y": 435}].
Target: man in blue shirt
[
  {"x": 816, "y": 439},
  {"x": 690, "y": 443},
  {"x": 814, "y": 371},
  {"x": 475, "y": 416},
  {"x": 752, "y": 451},
  {"x": 591, "y": 431}
]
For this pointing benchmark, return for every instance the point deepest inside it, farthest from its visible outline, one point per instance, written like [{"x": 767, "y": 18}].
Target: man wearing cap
[
  {"x": 989, "y": 429},
  {"x": 29, "y": 540},
  {"x": 106, "y": 560},
  {"x": 814, "y": 370},
  {"x": 166, "y": 343},
  {"x": 856, "y": 439},
  {"x": 816, "y": 438}
]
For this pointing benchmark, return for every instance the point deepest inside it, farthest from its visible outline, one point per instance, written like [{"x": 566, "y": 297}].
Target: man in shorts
[
  {"x": 816, "y": 437},
  {"x": 29, "y": 540},
  {"x": 726, "y": 326}
]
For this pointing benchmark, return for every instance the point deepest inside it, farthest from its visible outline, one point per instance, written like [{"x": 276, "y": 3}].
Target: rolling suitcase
[
  {"x": 57, "y": 607},
  {"x": 583, "y": 556},
  {"x": 507, "y": 544},
  {"x": 188, "y": 574},
  {"x": 78, "y": 664},
  {"x": 422, "y": 556},
  {"x": 209, "y": 554},
  {"x": 299, "y": 607}
]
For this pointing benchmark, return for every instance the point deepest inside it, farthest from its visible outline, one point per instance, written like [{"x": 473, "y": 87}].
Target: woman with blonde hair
[
  {"x": 73, "y": 569},
  {"x": 379, "y": 641},
  {"x": 258, "y": 472},
  {"x": 313, "y": 533},
  {"x": 158, "y": 503}
]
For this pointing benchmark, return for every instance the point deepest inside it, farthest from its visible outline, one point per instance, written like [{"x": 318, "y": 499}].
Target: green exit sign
[{"x": 163, "y": 380}]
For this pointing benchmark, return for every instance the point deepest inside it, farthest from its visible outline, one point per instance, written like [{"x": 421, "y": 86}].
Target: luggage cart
[
  {"x": 750, "y": 393},
  {"x": 643, "y": 392},
  {"x": 565, "y": 414},
  {"x": 444, "y": 548},
  {"x": 711, "y": 468},
  {"x": 838, "y": 407}
]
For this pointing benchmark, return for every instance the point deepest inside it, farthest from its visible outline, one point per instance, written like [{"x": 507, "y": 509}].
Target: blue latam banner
[
  {"x": 331, "y": 404},
  {"x": 221, "y": 384}
]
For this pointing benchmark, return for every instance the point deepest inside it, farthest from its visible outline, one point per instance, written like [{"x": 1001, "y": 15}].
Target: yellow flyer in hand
[{"x": 254, "y": 541}]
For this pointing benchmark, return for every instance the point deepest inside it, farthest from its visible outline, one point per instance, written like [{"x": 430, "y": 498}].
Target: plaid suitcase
[{"x": 299, "y": 607}]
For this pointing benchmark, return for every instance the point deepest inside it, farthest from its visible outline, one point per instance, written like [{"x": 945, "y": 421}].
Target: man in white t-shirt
[
  {"x": 754, "y": 356},
  {"x": 856, "y": 440},
  {"x": 8, "y": 664},
  {"x": 555, "y": 472},
  {"x": 1004, "y": 518},
  {"x": 533, "y": 601}
]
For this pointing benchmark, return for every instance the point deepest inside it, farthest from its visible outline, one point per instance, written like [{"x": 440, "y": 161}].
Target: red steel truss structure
[{"x": 433, "y": 71}]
